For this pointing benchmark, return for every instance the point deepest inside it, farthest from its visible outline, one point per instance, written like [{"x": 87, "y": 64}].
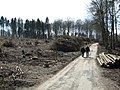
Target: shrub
[
  {"x": 46, "y": 41},
  {"x": 67, "y": 44},
  {"x": 8, "y": 44},
  {"x": 36, "y": 43}
]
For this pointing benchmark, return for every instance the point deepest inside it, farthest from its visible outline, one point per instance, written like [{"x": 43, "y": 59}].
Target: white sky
[{"x": 54, "y": 9}]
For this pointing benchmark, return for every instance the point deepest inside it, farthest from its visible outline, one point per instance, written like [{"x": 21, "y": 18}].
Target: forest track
[{"x": 81, "y": 74}]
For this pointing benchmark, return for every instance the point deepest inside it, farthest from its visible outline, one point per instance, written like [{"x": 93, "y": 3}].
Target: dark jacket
[
  {"x": 87, "y": 49},
  {"x": 82, "y": 50}
]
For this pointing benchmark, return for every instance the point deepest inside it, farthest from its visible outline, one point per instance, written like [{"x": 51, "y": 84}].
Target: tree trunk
[
  {"x": 107, "y": 32},
  {"x": 48, "y": 29},
  {"x": 68, "y": 31},
  {"x": 116, "y": 40},
  {"x": 113, "y": 36}
]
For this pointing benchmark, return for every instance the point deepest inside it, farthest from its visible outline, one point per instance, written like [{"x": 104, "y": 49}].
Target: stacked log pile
[{"x": 109, "y": 60}]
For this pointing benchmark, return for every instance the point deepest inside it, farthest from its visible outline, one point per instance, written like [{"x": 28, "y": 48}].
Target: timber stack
[{"x": 108, "y": 60}]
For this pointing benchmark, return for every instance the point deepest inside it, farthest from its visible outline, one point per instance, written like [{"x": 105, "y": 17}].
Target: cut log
[
  {"x": 34, "y": 58},
  {"x": 118, "y": 57},
  {"x": 100, "y": 62},
  {"x": 98, "y": 59},
  {"x": 117, "y": 61},
  {"x": 103, "y": 61},
  {"x": 112, "y": 56},
  {"x": 107, "y": 59},
  {"x": 111, "y": 59}
]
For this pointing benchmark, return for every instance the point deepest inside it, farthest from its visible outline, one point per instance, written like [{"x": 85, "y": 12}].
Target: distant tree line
[
  {"x": 39, "y": 29},
  {"x": 74, "y": 28}
]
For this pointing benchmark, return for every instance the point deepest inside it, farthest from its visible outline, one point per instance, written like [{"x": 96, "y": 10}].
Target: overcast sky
[{"x": 54, "y": 9}]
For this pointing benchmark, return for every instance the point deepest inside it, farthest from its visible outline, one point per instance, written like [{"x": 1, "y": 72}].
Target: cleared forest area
[{"x": 28, "y": 62}]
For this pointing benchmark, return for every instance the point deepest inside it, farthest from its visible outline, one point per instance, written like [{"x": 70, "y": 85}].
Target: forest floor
[{"x": 39, "y": 63}]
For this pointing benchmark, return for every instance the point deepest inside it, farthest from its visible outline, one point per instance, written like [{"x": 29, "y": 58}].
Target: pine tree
[
  {"x": 19, "y": 28},
  {"x": 2, "y": 25},
  {"x": 27, "y": 29},
  {"x": 43, "y": 30},
  {"x": 7, "y": 26},
  {"x": 14, "y": 27},
  {"x": 38, "y": 28},
  {"x": 47, "y": 27}
]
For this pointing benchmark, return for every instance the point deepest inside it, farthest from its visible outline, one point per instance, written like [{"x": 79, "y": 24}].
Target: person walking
[
  {"x": 82, "y": 51},
  {"x": 87, "y": 51}
]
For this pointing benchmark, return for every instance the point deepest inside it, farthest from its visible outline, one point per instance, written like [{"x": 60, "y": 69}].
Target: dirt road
[{"x": 81, "y": 74}]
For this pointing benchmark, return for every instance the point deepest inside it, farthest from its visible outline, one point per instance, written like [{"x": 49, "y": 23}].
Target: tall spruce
[
  {"x": 2, "y": 25},
  {"x": 47, "y": 27},
  {"x": 13, "y": 27},
  {"x": 38, "y": 28}
]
